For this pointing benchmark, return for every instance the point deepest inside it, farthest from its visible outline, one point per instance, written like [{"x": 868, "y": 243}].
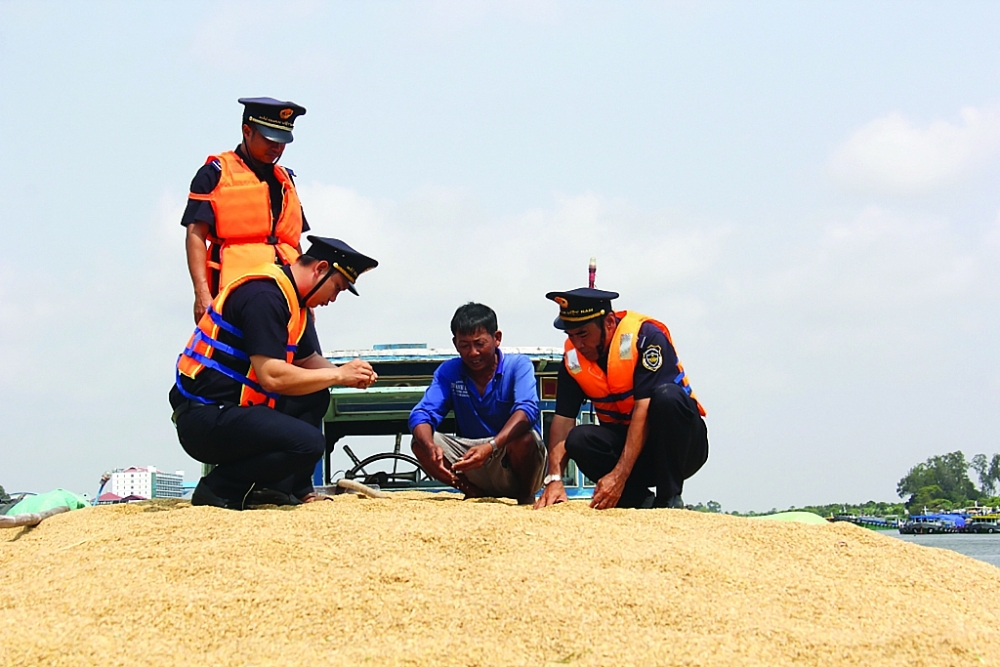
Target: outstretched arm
[
  {"x": 196, "y": 246},
  {"x": 425, "y": 418},
  {"x": 609, "y": 488},
  {"x": 280, "y": 377},
  {"x": 430, "y": 456},
  {"x": 555, "y": 492}
]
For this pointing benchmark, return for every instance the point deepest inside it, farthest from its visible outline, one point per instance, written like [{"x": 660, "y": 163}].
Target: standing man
[
  {"x": 252, "y": 386},
  {"x": 651, "y": 430},
  {"x": 243, "y": 210},
  {"x": 497, "y": 452}
]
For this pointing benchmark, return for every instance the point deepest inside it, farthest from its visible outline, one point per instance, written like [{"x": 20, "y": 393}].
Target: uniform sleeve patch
[{"x": 652, "y": 358}]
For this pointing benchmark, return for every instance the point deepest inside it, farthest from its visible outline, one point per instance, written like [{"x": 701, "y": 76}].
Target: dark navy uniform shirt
[
  {"x": 657, "y": 365},
  {"x": 208, "y": 177},
  {"x": 258, "y": 308}
]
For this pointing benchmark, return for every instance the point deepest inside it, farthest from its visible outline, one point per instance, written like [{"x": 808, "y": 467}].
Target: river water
[{"x": 981, "y": 547}]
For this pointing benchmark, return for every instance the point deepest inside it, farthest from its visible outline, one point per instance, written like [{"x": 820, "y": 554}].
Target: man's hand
[
  {"x": 431, "y": 458},
  {"x": 608, "y": 490},
  {"x": 474, "y": 458},
  {"x": 201, "y": 303},
  {"x": 357, "y": 373},
  {"x": 554, "y": 492}
]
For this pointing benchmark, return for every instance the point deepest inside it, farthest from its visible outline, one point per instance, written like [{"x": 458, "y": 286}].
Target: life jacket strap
[
  {"x": 222, "y": 324},
  {"x": 614, "y": 398},
  {"x": 187, "y": 394},
  {"x": 680, "y": 380},
  {"x": 199, "y": 336},
  {"x": 620, "y": 416},
  {"x": 228, "y": 372}
]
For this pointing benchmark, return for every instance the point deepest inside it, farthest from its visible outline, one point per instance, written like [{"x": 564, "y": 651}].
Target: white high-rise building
[{"x": 146, "y": 482}]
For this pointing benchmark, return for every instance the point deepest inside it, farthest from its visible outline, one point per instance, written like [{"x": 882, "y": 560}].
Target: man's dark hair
[
  {"x": 471, "y": 317},
  {"x": 307, "y": 260}
]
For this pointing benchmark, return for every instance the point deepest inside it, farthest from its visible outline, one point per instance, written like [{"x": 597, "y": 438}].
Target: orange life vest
[
  {"x": 612, "y": 392},
  {"x": 245, "y": 234},
  {"x": 205, "y": 340}
]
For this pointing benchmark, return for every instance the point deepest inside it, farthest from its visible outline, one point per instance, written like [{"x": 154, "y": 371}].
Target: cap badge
[
  {"x": 563, "y": 303},
  {"x": 285, "y": 113}
]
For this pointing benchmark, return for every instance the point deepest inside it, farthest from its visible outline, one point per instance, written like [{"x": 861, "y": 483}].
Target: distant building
[{"x": 142, "y": 483}]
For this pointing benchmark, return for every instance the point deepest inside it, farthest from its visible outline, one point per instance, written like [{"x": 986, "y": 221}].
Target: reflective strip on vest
[
  {"x": 204, "y": 341},
  {"x": 612, "y": 393}
]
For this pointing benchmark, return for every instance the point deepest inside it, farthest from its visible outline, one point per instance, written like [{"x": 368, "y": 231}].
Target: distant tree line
[
  {"x": 3, "y": 494},
  {"x": 942, "y": 482}
]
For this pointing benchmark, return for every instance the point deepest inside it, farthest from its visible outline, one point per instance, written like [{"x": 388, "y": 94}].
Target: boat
[
  {"x": 930, "y": 524},
  {"x": 986, "y": 523},
  {"x": 870, "y": 522}
]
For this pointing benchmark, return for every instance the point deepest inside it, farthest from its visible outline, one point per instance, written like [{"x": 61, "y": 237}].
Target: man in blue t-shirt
[{"x": 497, "y": 451}]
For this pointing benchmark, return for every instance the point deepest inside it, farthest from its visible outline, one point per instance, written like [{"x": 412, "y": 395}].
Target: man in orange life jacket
[
  {"x": 252, "y": 387},
  {"x": 651, "y": 430},
  {"x": 243, "y": 205}
]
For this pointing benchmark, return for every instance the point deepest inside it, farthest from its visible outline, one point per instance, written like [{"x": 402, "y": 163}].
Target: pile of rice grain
[{"x": 419, "y": 579}]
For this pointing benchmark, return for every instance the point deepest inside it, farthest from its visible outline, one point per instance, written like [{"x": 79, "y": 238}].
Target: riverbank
[{"x": 419, "y": 579}]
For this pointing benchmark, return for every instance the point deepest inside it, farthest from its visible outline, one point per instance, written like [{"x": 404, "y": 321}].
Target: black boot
[{"x": 215, "y": 492}]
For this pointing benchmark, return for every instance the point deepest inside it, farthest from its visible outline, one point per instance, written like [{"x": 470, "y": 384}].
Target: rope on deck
[
  {"x": 32, "y": 519},
  {"x": 358, "y": 487}
]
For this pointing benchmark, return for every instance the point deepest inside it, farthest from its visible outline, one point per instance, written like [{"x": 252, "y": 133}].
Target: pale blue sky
[{"x": 805, "y": 192}]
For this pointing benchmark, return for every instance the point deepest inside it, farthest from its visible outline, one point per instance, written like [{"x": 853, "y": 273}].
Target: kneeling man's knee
[
  {"x": 576, "y": 441},
  {"x": 312, "y": 444}
]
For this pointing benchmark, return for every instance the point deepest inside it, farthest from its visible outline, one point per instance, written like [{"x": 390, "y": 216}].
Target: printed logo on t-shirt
[
  {"x": 652, "y": 358},
  {"x": 459, "y": 389}
]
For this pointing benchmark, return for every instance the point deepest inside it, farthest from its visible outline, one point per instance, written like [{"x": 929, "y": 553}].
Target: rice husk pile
[{"x": 422, "y": 579}]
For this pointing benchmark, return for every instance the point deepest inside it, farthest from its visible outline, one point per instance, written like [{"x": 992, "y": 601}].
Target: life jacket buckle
[{"x": 272, "y": 240}]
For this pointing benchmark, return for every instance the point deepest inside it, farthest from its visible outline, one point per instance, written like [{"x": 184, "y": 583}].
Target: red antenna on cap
[{"x": 592, "y": 271}]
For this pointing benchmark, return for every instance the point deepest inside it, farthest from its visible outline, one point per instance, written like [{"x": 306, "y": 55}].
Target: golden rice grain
[{"x": 419, "y": 579}]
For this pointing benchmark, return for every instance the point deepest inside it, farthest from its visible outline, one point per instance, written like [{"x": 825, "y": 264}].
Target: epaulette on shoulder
[
  {"x": 218, "y": 165},
  {"x": 290, "y": 172}
]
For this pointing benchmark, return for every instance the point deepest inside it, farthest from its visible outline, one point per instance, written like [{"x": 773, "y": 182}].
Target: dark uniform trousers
[
  {"x": 676, "y": 448},
  {"x": 271, "y": 448}
]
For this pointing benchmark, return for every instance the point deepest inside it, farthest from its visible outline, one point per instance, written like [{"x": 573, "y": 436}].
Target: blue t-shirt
[{"x": 511, "y": 389}]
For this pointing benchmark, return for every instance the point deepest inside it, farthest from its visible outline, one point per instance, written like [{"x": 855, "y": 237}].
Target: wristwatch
[
  {"x": 548, "y": 479},
  {"x": 493, "y": 443}
]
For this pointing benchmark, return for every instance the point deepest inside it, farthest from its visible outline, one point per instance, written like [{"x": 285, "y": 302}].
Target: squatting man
[
  {"x": 496, "y": 451},
  {"x": 651, "y": 431},
  {"x": 252, "y": 386}
]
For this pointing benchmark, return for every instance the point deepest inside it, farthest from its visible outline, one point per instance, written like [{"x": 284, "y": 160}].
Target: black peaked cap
[
  {"x": 273, "y": 118},
  {"x": 581, "y": 305},
  {"x": 342, "y": 257}
]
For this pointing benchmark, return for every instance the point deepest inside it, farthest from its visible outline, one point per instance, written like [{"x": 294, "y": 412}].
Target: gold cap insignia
[{"x": 285, "y": 113}]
